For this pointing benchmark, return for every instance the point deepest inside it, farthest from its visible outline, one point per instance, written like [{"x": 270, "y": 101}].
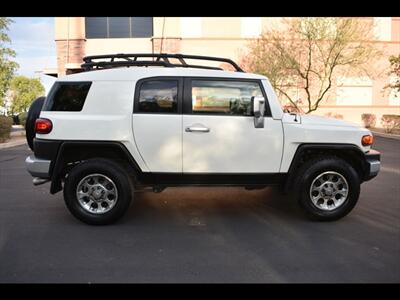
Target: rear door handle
[{"x": 197, "y": 128}]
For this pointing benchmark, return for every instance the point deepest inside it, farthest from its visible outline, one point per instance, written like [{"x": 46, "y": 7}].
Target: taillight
[
  {"x": 367, "y": 140},
  {"x": 43, "y": 126}
]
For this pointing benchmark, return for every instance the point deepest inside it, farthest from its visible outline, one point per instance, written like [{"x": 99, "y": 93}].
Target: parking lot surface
[{"x": 199, "y": 234}]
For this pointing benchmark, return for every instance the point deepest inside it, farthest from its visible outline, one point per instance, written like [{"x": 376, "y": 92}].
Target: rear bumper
[
  {"x": 373, "y": 164},
  {"x": 38, "y": 167}
]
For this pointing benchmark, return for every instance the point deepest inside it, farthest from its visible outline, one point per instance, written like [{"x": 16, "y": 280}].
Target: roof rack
[{"x": 107, "y": 61}]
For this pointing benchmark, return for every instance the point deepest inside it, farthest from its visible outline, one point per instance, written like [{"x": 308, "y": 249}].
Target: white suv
[{"x": 135, "y": 120}]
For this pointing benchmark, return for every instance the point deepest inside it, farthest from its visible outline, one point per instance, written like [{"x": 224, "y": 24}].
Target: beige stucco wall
[{"x": 103, "y": 46}]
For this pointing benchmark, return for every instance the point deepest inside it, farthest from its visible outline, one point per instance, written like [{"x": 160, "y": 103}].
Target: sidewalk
[
  {"x": 14, "y": 141},
  {"x": 17, "y": 137}
]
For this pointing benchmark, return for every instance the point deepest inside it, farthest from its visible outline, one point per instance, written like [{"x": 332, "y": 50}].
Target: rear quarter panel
[{"x": 105, "y": 116}]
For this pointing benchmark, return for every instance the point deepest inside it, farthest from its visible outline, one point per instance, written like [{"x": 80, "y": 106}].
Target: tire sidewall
[
  {"x": 33, "y": 114},
  {"x": 115, "y": 174},
  {"x": 316, "y": 169}
]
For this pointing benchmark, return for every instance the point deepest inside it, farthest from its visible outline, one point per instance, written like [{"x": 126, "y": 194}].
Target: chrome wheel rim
[
  {"x": 97, "y": 193},
  {"x": 329, "y": 190}
]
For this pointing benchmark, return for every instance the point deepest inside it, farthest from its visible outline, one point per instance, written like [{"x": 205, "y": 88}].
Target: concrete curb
[
  {"x": 386, "y": 135},
  {"x": 13, "y": 143}
]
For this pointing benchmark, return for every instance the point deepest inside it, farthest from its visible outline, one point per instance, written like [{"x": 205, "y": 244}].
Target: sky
[{"x": 32, "y": 38}]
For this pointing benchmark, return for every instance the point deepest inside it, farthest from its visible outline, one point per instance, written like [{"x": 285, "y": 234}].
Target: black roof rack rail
[{"x": 107, "y": 61}]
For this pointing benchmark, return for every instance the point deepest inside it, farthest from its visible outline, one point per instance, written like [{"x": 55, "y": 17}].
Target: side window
[
  {"x": 224, "y": 97},
  {"x": 67, "y": 96},
  {"x": 158, "y": 96}
]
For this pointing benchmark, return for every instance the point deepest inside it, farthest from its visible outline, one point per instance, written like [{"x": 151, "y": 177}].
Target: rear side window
[
  {"x": 67, "y": 96},
  {"x": 158, "y": 96}
]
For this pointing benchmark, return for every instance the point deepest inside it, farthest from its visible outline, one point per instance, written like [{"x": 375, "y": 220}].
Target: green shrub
[
  {"x": 5, "y": 128},
  {"x": 22, "y": 118},
  {"x": 390, "y": 122},
  {"x": 369, "y": 120}
]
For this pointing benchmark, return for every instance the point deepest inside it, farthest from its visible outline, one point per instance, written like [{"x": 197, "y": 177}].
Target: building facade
[{"x": 350, "y": 97}]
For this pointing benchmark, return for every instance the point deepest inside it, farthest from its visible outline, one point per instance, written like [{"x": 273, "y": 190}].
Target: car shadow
[{"x": 206, "y": 202}]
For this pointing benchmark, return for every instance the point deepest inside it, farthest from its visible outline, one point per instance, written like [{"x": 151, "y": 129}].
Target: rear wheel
[
  {"x": 98, "y": 191},
  {"x": 327, "y": 188}
]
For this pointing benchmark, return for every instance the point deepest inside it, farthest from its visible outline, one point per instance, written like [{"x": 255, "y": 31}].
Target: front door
[{"x": 218, "y": 129}]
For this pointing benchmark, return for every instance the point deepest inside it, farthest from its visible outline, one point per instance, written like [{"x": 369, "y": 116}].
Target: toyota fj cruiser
[{"x": 130, "y": 121}]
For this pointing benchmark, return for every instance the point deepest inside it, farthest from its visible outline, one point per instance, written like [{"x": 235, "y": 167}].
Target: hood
[{"x": 317, "y": 120}]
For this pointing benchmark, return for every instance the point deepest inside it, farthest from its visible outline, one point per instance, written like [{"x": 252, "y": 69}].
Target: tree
[
  {"x": 24, "y": 90},
  {"x": 395, "y": 70},
  {"x": 309, "y": 53},
  {"x": 7, "y": 66}
]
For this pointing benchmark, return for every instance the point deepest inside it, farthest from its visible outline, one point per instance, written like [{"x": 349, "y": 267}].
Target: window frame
[
  {"x": 138, "y": 87},
  {"x": 187, "y": 96},
  {"x": 51, "y": 95}
]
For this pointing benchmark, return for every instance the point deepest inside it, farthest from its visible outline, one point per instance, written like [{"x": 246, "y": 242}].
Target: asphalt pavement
[{"x": 199, "y": 235}]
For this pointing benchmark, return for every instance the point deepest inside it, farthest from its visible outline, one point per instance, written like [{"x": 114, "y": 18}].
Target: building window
[
  {"x": 96, "y": 28},
  {"x": 191, "y": 26},
  {"x": 251, "y": 27},
  {"x": 354, "y": 91},
  {"x": 142, "y": 27},
  {"x": 118, "y": 27}
]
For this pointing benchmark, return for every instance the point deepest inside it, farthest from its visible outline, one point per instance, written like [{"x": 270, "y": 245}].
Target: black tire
[
  {"x": 306, "y": 175},
  {"x": 112, "y": 170},
  {"x": 33, "y": 114}
]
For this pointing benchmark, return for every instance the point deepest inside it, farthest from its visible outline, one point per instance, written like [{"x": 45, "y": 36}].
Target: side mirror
[{"x": 258, "y": 104}]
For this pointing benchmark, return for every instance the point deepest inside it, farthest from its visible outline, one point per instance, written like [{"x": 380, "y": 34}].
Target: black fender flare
[
  {"x": 93, "y": 149},
  {"x": 349, "y": 152}
]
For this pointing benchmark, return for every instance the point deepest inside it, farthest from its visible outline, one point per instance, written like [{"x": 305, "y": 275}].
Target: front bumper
[
  {"x": 373, "y": 164},
  {"x": 38, "y": 167}
]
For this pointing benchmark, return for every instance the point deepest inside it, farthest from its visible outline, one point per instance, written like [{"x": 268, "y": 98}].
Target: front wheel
[
  {"x": 327, "y": 188},
  {"x": 98, "y": 191}
]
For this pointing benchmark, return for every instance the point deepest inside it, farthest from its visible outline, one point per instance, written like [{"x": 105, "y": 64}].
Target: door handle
[{"x": 197, "y": 128}]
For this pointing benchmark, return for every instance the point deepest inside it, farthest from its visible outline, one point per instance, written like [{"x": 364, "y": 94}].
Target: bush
[
  {"x": 390, "y": 122},
  {"x": 5, "y": 128},
  {"x": 334, "y": 115},
  {"x": 22, "y": 118},
  {"x": 369, "y": 120}
]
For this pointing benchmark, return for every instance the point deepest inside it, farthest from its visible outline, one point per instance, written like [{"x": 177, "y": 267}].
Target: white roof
[{"x": 136, "y": 73}]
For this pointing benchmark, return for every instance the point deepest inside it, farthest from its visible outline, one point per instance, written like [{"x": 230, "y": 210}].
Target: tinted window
[
  {"x": 96, "y": 27},
  {"x": 67, "y": 96},
  {"x": 118, "y": 27},
  {"x": 142, "y": 27},
  {"x": 158, "y": 96},
  {"x": 224, "y": 97}
]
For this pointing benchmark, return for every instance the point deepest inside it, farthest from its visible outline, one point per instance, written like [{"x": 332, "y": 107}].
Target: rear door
[
  {"x": 218, "y": 128},
  {"x": 157, "y": 123}
]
